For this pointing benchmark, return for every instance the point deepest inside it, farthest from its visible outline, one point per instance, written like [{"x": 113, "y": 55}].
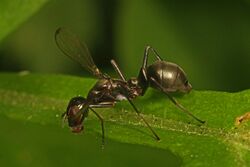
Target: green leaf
[
  {"x": 15, "y": 12},
  {"x": 41, "y": 99}
]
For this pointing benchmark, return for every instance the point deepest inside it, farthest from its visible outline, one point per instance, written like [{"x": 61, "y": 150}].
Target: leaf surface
[{"x": 41, "y": 99}]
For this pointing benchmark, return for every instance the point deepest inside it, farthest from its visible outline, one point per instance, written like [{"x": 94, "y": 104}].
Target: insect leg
[
  {"x": 138, "y": 113},
  {"x": 117, "y": 69},
  {"x": 175, "y": 101},
  {"x": 102, "y": 123},
  {"x": 142, "y": 77},
  {"x": 103, "y": 105},
  {"x": 146, "y": 53}
]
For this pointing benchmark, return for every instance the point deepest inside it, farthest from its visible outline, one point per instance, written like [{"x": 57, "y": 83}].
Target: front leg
[
  {"x": 102, "y": 124},
  {"x": 106, "y": 104}
]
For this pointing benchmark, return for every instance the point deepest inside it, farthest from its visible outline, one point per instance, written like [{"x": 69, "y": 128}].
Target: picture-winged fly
[
  {"x": 104, "y": 94},
  {"x": 164, "y": 76}
]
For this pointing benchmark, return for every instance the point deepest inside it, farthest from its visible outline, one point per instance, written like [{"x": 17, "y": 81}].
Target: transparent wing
[{"x": 71, "y": 46}]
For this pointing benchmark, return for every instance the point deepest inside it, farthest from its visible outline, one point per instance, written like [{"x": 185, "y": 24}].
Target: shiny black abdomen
[{"x": 165, "y": 73}]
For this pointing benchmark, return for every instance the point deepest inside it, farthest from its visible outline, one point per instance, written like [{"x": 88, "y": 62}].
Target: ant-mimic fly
[{"x": 164, "y": 76}]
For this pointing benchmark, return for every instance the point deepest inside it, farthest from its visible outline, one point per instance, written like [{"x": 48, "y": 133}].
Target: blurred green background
[{"x": 210, "y": 40}]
